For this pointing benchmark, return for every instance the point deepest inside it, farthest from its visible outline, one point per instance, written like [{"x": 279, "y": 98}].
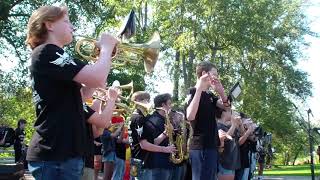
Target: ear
[
  {"x": 49, "y": 25},
  {"x": 203, "y": 73}
]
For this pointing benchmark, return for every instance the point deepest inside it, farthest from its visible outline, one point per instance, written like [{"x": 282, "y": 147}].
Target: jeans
[
  {"x": 245, "y": 174},
  {"x": 70, "y": 169},
  {"x": 157, "y": 174},
  {"x": 179, "y": 172},
  {"x": 119, "y": 168},
  {"x": 204, "y": 164},
  {"x": 253, "y": 164}
]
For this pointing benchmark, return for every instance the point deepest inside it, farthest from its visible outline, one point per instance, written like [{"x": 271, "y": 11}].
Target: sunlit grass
[{"x": 298, "y": 170}]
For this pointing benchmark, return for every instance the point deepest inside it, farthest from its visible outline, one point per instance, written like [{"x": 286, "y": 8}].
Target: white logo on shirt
[
  {"x": 139, "y": 131},
  {"x": 85, "y": 107},
  {"x": 36, "y": 97},
  {"x": 64, "y": 59}
]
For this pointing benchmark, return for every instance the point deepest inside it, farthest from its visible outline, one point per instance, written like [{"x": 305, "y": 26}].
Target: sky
[{"x": 311, "y": 64}]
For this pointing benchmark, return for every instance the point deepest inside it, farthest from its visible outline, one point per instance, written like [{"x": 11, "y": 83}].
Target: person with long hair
[{"x": 62, "y": 138}]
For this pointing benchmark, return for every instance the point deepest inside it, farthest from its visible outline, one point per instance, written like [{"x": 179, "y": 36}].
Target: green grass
[{"x": 298, "y": 170}]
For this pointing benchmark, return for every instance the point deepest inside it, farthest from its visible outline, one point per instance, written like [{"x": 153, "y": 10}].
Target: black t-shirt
[
  {"x": 136, "y": 127},
  {"x": 89, "y": 157},
  {"x": 97, "y": 149},
  {"x": 19, "y": 138},
  {"x": 121, "y": 150},
  {"x": 205, "y": 132},
  {"x": 244, "y": 154},
  {"x": 153, "y": 127},
  {"x": 60, "y": 128}
]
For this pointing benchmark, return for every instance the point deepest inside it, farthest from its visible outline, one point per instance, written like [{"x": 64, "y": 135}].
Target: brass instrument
[
  {"x": 145, "y": 108},
  {"x": 121, "y": 108},
  {"x": 180, "y": 140},
  {"x": 184, "y": 124},
  {"x": 87, "y": 48}
]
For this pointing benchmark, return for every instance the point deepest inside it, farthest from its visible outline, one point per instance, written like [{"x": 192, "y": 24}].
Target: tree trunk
[
  {"x": 190, "y": 67},
  {"x": 296, "y": 155},
  {"x": 176, "y": 77},
  {"x": 184, "y": 70},
  {"x": 145, "y": 16}
]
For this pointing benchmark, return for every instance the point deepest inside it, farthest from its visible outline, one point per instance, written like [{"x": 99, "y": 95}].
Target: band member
[
  {"x": 120, "y": 148},
  {"x": 155, "y": 141},
  {"x": 229, "y": 157},
  {"x": 108, "y": 139},
  {"x": 19, "y": 145},
  {"x": 136, "y": 126},
  {"x": 61, "y": 139},
  {"x": 105, "y": 112},
  {"x": 201, "y": 106}
]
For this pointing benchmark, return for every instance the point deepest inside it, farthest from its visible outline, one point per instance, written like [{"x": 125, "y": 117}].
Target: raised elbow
[{"x": 190, "y": 116}]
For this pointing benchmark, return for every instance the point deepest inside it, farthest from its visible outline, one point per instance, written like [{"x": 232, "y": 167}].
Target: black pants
[{"x": 18, "y": 155}]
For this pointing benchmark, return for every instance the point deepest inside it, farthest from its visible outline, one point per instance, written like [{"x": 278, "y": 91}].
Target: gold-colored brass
[{"x": 126, "y": 53}]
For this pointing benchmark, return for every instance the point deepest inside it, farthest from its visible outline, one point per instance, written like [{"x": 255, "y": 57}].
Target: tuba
[{"x": 125, "y": 53}]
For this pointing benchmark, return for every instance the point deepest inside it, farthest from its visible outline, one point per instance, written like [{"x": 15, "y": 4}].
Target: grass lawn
[{"x": 298, "y": 170}]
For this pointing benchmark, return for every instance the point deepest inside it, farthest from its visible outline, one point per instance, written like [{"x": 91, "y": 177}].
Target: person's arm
[
  {"x": 192, "y": 109},
  {"x": 231, "y": 130},
  {"x": 245, "y": 136},
  {"x": 95, "y": 75},
  {"x": 3, "y": 140},
  {"x": 144, "y": 144},
  {"x": 97, "y": 131},
  {"x": 160, "y": 138},
  {"x": 235, "y": 122},
  {"x": 103, "y": 119},
  {"x": 120, "y": 137}
]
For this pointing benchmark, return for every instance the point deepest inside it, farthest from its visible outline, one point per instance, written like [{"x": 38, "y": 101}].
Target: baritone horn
[{"x": 125, "y": 53}]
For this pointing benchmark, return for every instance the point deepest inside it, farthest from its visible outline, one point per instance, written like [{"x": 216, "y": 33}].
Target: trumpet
[{"x": 87, "y": 48}]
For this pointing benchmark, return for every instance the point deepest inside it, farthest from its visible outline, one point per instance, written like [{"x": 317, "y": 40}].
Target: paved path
[{"x": 288, "y": 178}]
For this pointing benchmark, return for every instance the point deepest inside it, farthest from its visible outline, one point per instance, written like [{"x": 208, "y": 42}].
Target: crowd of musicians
[{"x": 73, "y": 138}]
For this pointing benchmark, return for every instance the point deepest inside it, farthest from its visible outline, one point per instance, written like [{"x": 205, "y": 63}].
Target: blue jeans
[
  {"x": 70, "y": 169},
  {"x": 158, "y": 174},
  {"x": 253, "y": 163},
  {"x": 119, "y": 168},
  {"x": 179, "y": 172},
  {"x": 204, "y": 164}
]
